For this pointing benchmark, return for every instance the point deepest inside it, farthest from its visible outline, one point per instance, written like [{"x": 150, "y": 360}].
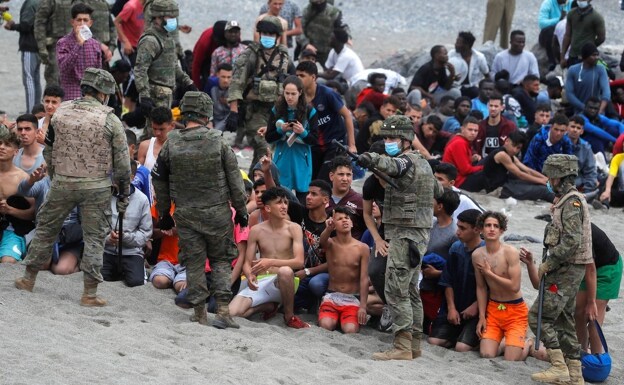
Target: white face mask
[{"x": 583, "y": 4}]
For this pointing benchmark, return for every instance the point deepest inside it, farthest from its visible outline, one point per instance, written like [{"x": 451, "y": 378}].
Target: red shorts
[
  {"x": 509, "y": 320},
  {"x": 347, "y": 314}
]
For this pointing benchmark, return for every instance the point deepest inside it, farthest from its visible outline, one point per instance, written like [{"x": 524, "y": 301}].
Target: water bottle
[{"x": 85, "y": 32}]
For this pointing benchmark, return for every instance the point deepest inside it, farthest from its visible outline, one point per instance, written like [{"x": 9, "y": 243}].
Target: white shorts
[{"x": 267, "y": 291}]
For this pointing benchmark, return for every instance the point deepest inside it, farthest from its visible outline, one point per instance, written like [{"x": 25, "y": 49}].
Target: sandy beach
[{"x": 142, "y": 337}]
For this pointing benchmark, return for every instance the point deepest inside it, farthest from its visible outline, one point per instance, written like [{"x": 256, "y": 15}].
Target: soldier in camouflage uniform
[
  {"x": 569, "y": 245},
  {"x": 257, "y": 83},
  {"x": 157, "y": 71},
  {"x": 89, "y": 142},
  {"x": 175, "y": 35},
  {"x": 103, "y": 28},
  {"x": 319, "y": 19},
  {"x": 51, "y": 24},
  {"x": 197, "y": 170},
  {"x": 407, "y": 217}
]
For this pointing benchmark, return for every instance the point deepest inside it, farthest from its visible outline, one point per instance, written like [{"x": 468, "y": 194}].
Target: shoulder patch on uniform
[
  {"x": 576, "y": 204},
  {"x": 403, "y": 163}
]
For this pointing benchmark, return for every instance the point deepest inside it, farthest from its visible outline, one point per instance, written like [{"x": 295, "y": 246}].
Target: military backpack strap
[{"x": 160, "y": 44}]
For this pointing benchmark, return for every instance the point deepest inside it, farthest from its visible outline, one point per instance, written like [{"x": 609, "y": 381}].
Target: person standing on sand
[
  {"x": 89, "y": 142},
  {"x": 407, "y": 217},
  {"x": 198, "y": 171},
  {"x": 568, "y": 242},
  {"x": 498, "y": 15}
]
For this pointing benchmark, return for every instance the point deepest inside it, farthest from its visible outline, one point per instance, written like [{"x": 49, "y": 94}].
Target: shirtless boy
[
  {"x": 271, "y": 278},
  {"x": 347, "y": 264},
  {"x": 497, "y": 270},
  {"x": 12, "y": 246}
]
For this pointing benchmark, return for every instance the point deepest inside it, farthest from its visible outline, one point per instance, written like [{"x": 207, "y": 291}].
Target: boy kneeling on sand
[{"x": 344, "y": 304}]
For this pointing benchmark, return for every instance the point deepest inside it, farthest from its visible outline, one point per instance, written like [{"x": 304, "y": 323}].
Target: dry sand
[{"x": 141, "y": 337}]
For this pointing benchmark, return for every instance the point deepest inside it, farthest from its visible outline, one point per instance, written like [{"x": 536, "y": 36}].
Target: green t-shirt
[{"x": 585, "y": 28}]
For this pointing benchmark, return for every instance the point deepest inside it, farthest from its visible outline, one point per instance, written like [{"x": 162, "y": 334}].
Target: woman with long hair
[{"x": 293, "y": 128}]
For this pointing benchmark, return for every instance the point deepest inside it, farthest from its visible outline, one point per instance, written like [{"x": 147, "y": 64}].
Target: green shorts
[{"x": 608, "y": 280}]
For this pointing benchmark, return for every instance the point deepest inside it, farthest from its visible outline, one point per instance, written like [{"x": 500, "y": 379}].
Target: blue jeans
[{"x": 311, "y": 290}]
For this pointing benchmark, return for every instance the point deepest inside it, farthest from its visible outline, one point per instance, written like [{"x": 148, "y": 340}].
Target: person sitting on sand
[
  {"x": 456, "y": 323},
  {"x": 502, "y": 311},
  {"x": 344, "y": 305},
  {"x": 271, "y": 278}
]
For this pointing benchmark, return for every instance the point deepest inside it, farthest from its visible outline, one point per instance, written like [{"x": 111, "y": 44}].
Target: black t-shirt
[
  {"x": 372, "y": 190},
  {"x": 426, "y": 76},
  {"x": 604, "y": 251},
  {"x": 492, "y": 141},
  {"x": 495, "y": 173},
  {"x": 311, "y": 240}
]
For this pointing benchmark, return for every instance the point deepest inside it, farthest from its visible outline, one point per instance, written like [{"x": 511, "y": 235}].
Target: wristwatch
[{"x": 307, "y": 272}]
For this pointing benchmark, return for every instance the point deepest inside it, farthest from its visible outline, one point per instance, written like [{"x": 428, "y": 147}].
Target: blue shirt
[
  {"x": 582, "y": 83},
  {"x": 539, "y": 149},
  {"x": 452, "y": 125},
  {"x": 478, "y": 105},
  {"x": 330, "y": 123},
  {"x": 600, "y": 132},
  {"x": 458, "y": 274},
  {"x": 587, "y": 166}
]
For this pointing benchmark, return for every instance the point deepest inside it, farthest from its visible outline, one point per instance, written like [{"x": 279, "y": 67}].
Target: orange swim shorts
[
  {"x": 509, "y": 320},
  {"x": 346, "y": 313}
]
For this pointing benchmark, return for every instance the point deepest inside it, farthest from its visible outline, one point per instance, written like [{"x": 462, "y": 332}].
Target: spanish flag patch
[{"x": 576, "y": 204}]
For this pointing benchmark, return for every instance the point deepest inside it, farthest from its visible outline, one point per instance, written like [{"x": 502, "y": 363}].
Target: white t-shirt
[{"x": 347, "y": 62}]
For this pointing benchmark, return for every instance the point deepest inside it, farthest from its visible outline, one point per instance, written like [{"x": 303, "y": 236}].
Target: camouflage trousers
[
  {"x": 402, "y": 294},
  {"x": 95, "y": 216},
  {"x": 51, "y": 72},
  {"x": 200, "y": 240},
  {"x": 256, "y": 116},
  {"x": 162, "y": 97},
  {"x": 558, "y": 326}
]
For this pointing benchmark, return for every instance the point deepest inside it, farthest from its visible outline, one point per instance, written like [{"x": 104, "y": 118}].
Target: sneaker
[
  {"x": 181, "y": 301},
  {"x": 296, "y": 323},
  {"x": 385, "y": 322},
  {"x": 599, "y": 205}
]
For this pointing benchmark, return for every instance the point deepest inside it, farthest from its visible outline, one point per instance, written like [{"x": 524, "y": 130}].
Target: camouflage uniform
[
  {"x": 317, "y": 26},
  {"x": 89, "y": 142},
  {"x": 157, "y": 71},
  {"x": 51, "y": 24},
  {"x": 569, "y": 244},
  {"x": 103, "y": 28},
  {"x": 255, "y": 94},
  {"x": 197, "y": 170},
  {"x": 407, "y": 217},
  {"x": 175, "y": 35}
]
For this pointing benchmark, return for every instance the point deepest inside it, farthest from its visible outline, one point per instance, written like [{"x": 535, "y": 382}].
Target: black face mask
[{"x": 319, "y": 7}]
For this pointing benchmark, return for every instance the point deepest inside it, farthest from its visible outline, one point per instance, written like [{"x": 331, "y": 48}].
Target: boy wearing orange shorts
[
  {"x": 344, "y": 304},
  {"x": 504, "y": 314}
]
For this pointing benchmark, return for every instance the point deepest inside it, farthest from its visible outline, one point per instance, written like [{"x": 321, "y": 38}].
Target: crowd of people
[{"x": 410, "y": 254}]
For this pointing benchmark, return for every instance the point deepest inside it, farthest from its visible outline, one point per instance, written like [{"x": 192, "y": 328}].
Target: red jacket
[
  {"x": 459, "y": 154},
  {"x": 202, "y": 52},
  {"x": 505, "y": 127}
]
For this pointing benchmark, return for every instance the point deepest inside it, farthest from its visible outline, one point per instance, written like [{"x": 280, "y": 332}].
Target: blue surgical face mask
[
  {"x": 549, "y": 187},
  {"x": 583, "y": 4},
  {"x": 392, "y": 149},
  {"x": 171, "y": 25},
  {"x": 267, "y": 41}
]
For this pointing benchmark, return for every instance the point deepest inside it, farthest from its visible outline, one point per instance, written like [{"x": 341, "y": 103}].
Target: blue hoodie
[{"x": 550, "y": 13}]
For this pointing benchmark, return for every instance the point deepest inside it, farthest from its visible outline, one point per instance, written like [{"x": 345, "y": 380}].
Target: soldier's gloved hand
[
  {"x": 365, "y": 160},
  {"x": 122, "y": 205},
  {"x": 543, "y": 269},
  {"x": 147, "y": 105},
  {"x": 191, "y": 87},
  {"x": 241, "y": 219},
  {"x": 44, "y": 58},
  {"x": 232, "y": 122},
  {"x": 166, "y": 222}
]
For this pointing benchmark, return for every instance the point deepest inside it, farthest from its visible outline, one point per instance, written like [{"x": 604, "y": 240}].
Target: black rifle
[
  {"x": 540, "y": 305},
  {"x": 353, "y": 156}
]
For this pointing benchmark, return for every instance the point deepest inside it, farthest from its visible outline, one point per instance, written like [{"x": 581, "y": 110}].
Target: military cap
[
  {"x": 196, "y": 102},
  {"x": 560, "y": 165},
  {"x": 161, "y": 8},
  {"x": 270, "y": 24},
  {"x": 398, "y": 126},
  {"x": 99, "y": 79}
]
